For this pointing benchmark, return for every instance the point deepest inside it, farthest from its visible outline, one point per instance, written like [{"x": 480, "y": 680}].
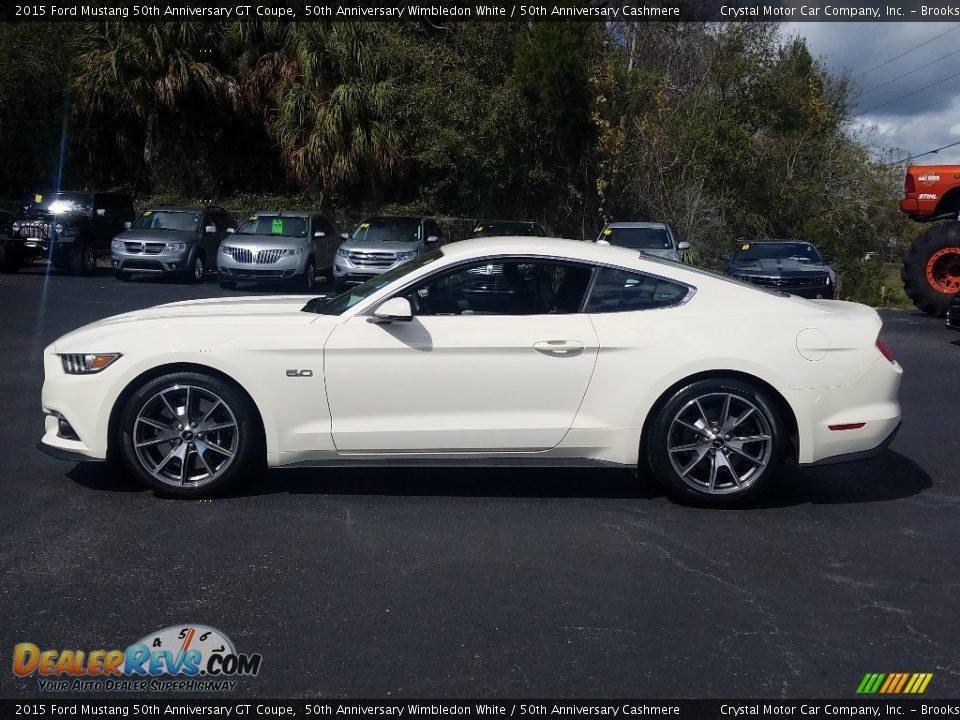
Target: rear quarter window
[{"x": 617, "y": 290}]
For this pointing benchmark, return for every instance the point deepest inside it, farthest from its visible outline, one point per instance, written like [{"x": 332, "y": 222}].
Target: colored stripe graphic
[{"x": 894, "y": 683}]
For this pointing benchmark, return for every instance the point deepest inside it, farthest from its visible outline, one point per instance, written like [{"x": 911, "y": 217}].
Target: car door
[
  {"x": 321, "y": 245},
  {"x": 496, "y": 358},
  {"x": 221, "y": 221}
]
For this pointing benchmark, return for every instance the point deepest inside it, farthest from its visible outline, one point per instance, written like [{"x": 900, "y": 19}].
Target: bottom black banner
[{"x": 473, "y": 708}]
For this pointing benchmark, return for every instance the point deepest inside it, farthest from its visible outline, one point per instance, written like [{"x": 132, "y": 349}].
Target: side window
[
  {"x": 621, "y": 291},
  {"x": 514, "y": 287}
]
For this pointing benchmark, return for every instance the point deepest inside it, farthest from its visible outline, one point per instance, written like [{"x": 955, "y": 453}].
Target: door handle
[{"x": 559, "y": 347}]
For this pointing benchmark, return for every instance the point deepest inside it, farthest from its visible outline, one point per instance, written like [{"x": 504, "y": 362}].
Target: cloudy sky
[{"x": 923, "y": 121}]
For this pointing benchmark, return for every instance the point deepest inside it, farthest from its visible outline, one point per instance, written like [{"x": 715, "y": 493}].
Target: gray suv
[
  {"x": 380, "y": 243},
  {"x": 278, "y": 245},
  {"x": 171, "y": 240},
  {"x": 647, "y": 237}
]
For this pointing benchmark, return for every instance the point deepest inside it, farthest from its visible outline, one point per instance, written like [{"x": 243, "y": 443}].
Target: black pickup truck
[{"x": 72, "y": 229}]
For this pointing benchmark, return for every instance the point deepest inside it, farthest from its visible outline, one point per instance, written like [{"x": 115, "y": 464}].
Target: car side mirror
[
  {"x": 210, "y": 229},
  {"x": 231, "y": 231},
  {"x": 101, "y": 212},
  {"x": 683, "y": 245},
  {"x": 319, "y": 234},
  {"x": 432, "y": 240},
  {"x": 397, "y": 308},
  {"x": 345, "y": 236},
  {"x": 726, "y": 257},
  {"x": 127, "y": 225}
]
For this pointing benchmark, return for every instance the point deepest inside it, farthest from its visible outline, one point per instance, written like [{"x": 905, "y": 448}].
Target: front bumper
[
  {"x": 817, "y": 291},
  {"x": 346, "y": 270},
  {"x": 285, "y": 267},
  {"x": 162, "y": 261}
]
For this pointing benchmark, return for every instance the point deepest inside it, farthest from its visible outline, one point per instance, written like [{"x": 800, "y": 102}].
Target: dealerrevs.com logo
[{"x": 187, "y": 658}]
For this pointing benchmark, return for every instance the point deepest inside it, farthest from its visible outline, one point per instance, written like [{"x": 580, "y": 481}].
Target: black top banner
[{"x": 502, "y": 11}]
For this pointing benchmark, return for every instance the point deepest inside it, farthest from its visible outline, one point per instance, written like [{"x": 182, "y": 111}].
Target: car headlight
[
  {"x": 408, "y": 255},
  {"x": 293, "y": 251},
  {"x": 117, "y": 244},
  {"x": 226, "y": 250},
  {"x": 87, "y": 363},
  {"x": 343, "y": 253},
  {"x": 58, "y": 228},
  {"x": 176, "y": 246},
  {"x": 15, "y": 227}
]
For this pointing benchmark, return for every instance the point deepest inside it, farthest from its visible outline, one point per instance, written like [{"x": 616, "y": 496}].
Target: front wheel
[
  {"x": 931, "y": 268},
  {"x": 83, "y": 258},
  {"x": 718, "y": 443},
  {"x": 196, "y": 270},
  {"x": 309, "y": 280},
  {"x": 189, "y": 435}
]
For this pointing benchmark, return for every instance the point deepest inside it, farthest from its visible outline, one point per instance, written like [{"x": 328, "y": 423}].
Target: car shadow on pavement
[{"x": 889, "y": 477}]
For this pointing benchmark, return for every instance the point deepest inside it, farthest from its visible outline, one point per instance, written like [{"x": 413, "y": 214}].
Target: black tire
[
  {"x": 717, "y": 450},
  {"x": 931, "y": 266},
  {"x": 11, "y": 261},
  {"x": 196, "y": 269},
  {"x": 83, "y": 258},
  {"x": 309, "y": 280},
  {"x": 122, "y": 275},
  {"x": 244, "y": 438},
  {"x": 228, "y": 284}
]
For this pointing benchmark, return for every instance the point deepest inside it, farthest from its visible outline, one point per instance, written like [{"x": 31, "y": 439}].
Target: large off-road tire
[
  {"x": 10, "y": 259},
  {"x": 931, "y": 268},
  {"x": 190, "y": 435},
  {"x": 719, "y": 442},
  {"x": 83, "y": 257}
]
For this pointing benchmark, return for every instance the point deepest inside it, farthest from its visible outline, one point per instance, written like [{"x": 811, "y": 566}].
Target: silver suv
[
  {"x": 380, "y": 243},
  {"x": 278, "y": 245},
  {"x": 647, "y": 237},
  {"x": 171, "y": 239}
]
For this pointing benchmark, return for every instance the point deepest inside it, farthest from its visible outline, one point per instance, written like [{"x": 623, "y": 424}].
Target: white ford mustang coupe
[{"x": 501, "y": 351}]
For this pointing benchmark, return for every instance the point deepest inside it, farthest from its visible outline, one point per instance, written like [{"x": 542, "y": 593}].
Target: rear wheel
[
  {"x": 189, "y": 435},
  {"x": 83, "y": 258},
  {"x": 717, "y": 443},
  {"x": 931, "y": 268},
  {"x": 196, "y": 269}
]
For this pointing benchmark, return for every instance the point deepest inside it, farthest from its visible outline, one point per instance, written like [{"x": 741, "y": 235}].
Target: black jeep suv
[{"x": 70, "y": 228}]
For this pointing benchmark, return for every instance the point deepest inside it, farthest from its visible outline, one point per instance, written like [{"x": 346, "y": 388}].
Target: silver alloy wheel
[
  {"x": 198, "y": 268},
  {"x": 720, "y": 443},
  {"x": 186, "y": 436},
  {"x": 311, "y": 275},
  {"x": 89, "y": 259}
]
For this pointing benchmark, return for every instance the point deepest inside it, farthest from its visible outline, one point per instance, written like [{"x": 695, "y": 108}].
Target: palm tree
[
  {"x": 327, "y": 96},
  {"x": 144, "y": 68}
]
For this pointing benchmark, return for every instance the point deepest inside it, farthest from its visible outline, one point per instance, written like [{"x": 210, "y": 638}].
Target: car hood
[
  {"x": 667, "y": 253},
  {"x": 776, "y": 268},
  {"x": 263, "y": 242},
  {"x": 157, "y": 235},
  {"x": 379, "y": 246},
  {"x": 232, "y": 314}
]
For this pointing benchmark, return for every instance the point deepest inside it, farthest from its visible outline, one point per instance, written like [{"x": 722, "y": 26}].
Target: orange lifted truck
[{"x": 931, "y": 267}]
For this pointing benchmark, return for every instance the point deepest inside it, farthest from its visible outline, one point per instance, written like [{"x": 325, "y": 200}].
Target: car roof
[
  {"x": 546, "y": 246},
  {"x": 659, "y": 226},
  {"x": 777, "y": 241},
  {"x": 506, "y": 222},
  {"x": 183, "y": 208},
  {"x": 287, "y": 213},
  {"x": 417, "y": 218}
]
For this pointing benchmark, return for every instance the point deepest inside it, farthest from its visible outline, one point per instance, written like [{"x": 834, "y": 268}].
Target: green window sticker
[{"x": 276, "y": 226}]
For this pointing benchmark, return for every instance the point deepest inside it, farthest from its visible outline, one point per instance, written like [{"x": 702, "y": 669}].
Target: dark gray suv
[{"x": 171, "y": 240}]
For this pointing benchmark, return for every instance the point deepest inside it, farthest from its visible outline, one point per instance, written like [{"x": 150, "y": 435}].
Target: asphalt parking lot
[{"x": 488, "y": 583}]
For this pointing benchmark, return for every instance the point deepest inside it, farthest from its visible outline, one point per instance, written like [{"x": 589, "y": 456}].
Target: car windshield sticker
[
  {"x": 478, "y": 228},
  {"x": 276, "y": 226},
  {"x": 148, "y": 213},
  {"x": 608, "y": 231},
  {"x": 252, "y": 217},
  {"x": 364, "y": 225},
  {"x": 38, "y": 198},
  {"x": 746, "y": 247}
]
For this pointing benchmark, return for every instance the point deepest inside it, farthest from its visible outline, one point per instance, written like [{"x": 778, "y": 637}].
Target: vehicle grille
[
  {"x": 40, "y": 231},
  {"x": 794, "y": 282},
  {"x": 144, "y": 248},
  {"x": 372, "y": 259},
  {"x": 245, "y": 256}
]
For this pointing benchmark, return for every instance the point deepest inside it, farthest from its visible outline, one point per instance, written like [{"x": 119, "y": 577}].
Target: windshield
[
  {"x": 492, "y": 229},
  {"x": 283, "y": 225},
  {"x": 387, "y": 229},
  {"x": 802, "y": 252},
  {"x": 639, "y": 238},
  {"x": 168, "y": 220},
  {"x": 61, "y": 203},
  {"x": 343, "y": 302}
]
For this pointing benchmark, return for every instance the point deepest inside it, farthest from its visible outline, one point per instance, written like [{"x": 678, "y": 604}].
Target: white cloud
[{"x": 920, "y": 122}]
